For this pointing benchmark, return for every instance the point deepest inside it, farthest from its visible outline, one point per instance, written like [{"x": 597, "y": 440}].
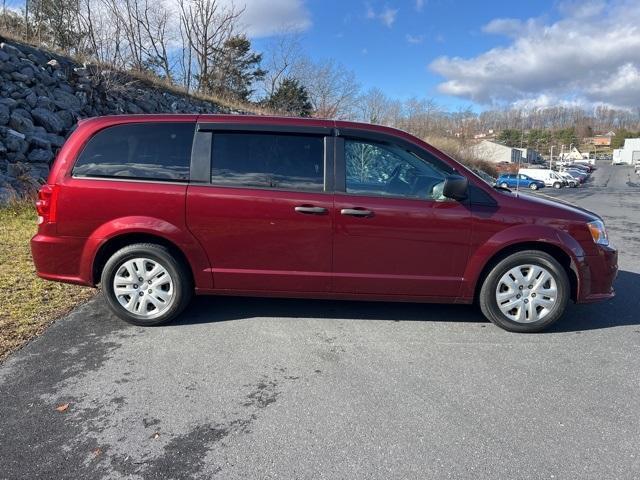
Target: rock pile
[{"x": 42, "y": 95}]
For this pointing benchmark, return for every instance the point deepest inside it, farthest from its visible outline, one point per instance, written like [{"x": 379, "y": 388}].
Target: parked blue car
[{"x": 511, "y": 180}]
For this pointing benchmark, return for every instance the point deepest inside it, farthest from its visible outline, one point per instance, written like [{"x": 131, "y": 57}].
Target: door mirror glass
[{"x": 456, "y": 187}]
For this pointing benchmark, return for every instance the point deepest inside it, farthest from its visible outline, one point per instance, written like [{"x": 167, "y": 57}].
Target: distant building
[
  {"x": 496, "y": 153},
  {"x": 629, "y": 153},
  {"x": 602, "y": 140},
  {"x": 573, "y": 154},
  {"x": 529, "y": 155},
  {"x": 490, "y": 134}
]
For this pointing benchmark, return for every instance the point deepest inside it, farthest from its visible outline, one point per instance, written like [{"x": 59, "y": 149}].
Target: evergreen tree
[
  {"x": 510, "y": 137},
  {"x": 235, "y": 69},
  {"x": 291, "y": 98}
]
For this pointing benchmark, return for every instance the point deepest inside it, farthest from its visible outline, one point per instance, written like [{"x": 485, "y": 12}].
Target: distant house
[
  {"x": 529, "y": 155},
  {"x": 603, "y": 140},
  {"x": 573, "y": 154},
  {"x": 629, "y": 153},
  {"x": 481, "y": 135},
  {"x": 496, "y": 152}
]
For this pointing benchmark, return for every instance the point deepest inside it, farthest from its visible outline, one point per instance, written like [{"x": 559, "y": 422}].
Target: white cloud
[
  {"x": 591, "y": 55},
  {"x": 387, "y": 16},
  {"x": 414, "y": 39},
  {"x": 264, "y": 18},
  {"x": 420, "y": 5},
  {"x": 260, "y": 18}
]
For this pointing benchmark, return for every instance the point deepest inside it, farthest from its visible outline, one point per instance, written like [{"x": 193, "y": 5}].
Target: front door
[
  {"x": 265, "y": 220},
  {"x": 394, "y": 232}
]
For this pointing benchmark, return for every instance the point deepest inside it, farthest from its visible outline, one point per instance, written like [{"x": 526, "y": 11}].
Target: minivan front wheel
[
  {"x": 525, "y": 292},
  {"x": 145, "y": 285}
]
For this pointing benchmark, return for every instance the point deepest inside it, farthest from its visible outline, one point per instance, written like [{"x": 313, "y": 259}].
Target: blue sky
[
  {"x": 479, "y": 53},
  {"x": 395, "y": 56}
]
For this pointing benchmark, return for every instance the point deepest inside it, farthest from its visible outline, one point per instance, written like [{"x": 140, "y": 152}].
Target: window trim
[
  {"x": 131, "y": 179},
  {"x": 326, "y": 134}
]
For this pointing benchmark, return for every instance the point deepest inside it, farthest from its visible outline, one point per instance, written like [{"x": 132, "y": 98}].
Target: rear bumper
[
  {"x": 598, "y": 273},
  {"x": 60, "y": 259}
]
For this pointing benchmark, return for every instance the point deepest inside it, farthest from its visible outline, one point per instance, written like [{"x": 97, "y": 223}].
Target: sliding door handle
[
  {"x": 311, "y": 210},
  {"x": 356, "y": 212}
]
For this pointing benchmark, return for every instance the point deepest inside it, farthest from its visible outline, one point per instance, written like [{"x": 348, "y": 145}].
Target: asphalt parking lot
[{"x": 265, "y": 389}]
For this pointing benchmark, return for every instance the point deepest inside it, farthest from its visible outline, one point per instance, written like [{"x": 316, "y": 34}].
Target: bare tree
[
  {"x": 374, "y": 106},
  {"x": 207, "y": 25},
  {"x": 333, "y": 89},
  {"x": 282, "y": 57},
  {"x": 154, "y": 34}
]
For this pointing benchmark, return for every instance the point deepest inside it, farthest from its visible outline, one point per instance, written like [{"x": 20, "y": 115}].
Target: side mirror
[{"x": 456, "y": 187}]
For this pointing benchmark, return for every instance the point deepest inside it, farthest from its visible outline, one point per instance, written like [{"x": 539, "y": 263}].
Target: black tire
[
  {"x": 533, "y": 186},
  {"x": 489, "y": 304},
  {"x": 557, "y": 185},
  {"x": 180, "y": 276}
]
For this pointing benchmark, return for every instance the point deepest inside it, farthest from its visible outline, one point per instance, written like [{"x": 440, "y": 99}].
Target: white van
[{"x": 549, "y": 177}]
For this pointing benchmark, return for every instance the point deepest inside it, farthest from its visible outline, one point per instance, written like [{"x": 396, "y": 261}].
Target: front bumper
[{"x": 598, "y": 273}]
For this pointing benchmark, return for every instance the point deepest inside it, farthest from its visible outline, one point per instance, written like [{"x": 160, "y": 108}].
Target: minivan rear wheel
[
  {"x": 557, "y": 185},
  {"x": 144, "y": 284},
  {"x": 525, "y": 292}
]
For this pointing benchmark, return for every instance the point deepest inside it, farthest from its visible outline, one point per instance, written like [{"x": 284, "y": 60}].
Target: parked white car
[
  {"x": 571, "y": 181},
  {"x": 548, "y": 176}
]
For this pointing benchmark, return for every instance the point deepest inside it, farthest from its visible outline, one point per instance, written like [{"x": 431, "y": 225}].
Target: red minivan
[{"x": 155, "y": 208}]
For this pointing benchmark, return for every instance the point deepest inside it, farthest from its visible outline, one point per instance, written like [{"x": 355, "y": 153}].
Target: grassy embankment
[{"x": 28, "y": 304}]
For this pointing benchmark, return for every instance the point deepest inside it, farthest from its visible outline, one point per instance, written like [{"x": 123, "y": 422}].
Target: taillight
[{"x": 46, "y": 203}]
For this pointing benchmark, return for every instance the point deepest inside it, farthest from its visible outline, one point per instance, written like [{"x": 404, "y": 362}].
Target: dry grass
[
  {"x": 460, "y": 150},
  {"x": 28, "y": 304}
]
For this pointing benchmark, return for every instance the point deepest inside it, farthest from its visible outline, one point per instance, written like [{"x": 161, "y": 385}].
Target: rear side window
[
  {"x": 266, "y": 160},
  {"x": 149, "y": 151}
]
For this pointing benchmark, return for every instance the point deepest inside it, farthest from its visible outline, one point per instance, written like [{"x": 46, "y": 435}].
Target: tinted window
[
  {"x": 156, "y": 151},
  {"x": 280, "y": 161},
  {"x": 387, "y": 170}
]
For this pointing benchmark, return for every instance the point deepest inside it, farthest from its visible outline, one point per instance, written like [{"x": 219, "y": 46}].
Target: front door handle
[
  {"x": 356, "y": 212},
  {"x": 311, "y": 210}
]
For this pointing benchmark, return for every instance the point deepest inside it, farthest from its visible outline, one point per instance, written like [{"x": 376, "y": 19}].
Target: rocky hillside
[{"x": 42, "y": 95}]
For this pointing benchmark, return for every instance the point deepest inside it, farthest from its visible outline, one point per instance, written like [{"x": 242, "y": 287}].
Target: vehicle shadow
[
  {"x": 207, "y": 309},
  {"x": 618, "y": 311}
]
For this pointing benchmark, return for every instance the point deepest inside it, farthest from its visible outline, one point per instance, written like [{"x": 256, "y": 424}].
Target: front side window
[
  {"x": 266, "y": 160},
  {"x": 149, "y": 151},
  {"x": 388, "y": 170}
]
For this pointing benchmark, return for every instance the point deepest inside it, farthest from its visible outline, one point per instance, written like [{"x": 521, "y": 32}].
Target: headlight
[{"x": 598, "y": 232}]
